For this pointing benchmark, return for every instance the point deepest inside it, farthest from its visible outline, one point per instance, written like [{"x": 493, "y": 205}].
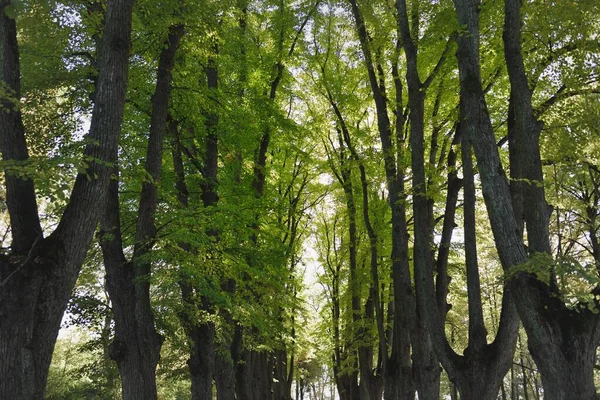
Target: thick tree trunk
[
  {"x": 347, "y": 386},
  {"x": 484, "y": 366},
  {"x": 370, "y": 384},
  {"x": 426, "y": 368},
  {"x": 228, "y": 356},
  {"x": 560, "y": 340},
  {"x": 37, "y": 277},
  {"x": 563, "y": 344},
  {"x": 202, "y": 361},
  {"x": 135, "y": 350},
  {"x": 400, "y": 382},
  {"x": 224, "y": 377},
  {"x": 282, "y": 376},
  {"x": 478, "y": 386},
  {"x": 570, "y": 379},
  {"x": 400, "y": 379},
  {"x": 255, "y": 376},
  {"x": 569, "y": 341},
  {"x": 136, "y": 347},
  {"x": 24, "y": 356},
  {"x": 480, "y": 372}
]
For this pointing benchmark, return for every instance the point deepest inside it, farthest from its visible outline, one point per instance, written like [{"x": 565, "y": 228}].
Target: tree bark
[
  {"x": 427, "y": 370},
  {"x": 282, "y": 376},
  {"x": 479, "y": 372},
  {"x": 136, "y": 346},
  {"x": 224, "y": 377},
  {"x": 561, "y": 341},
  {"x": 202, "y": 359},
  {"x": 38, "y": 275},
  {"x": 484, "y": 366},
  {"x": 255, "y": 376},
  {"x": 400, "y": 379}
]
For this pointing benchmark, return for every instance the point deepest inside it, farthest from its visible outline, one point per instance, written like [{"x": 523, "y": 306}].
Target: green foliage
[
  {"x": 262, "y": 240},
  {"x": 78, "y": 370}
]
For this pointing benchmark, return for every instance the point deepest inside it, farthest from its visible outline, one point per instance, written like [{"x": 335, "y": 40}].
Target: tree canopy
[{"x": 299, "y": 199}]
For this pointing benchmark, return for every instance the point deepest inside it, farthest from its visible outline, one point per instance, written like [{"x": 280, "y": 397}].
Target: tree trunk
[
  {"x": 255, "y": 376},
  {"x": 400, "y": 378},
  {"x": 477, "y": 387},
  {"x": 561, "y": 341},
  {"x": 202, "y": 360},
  {"x": 281, "y": 376},
  {"x": 347, "y": 386},
  {"x": 563, "y": 347},
  {"x": 136, "y": 347},
  {"x": 228, "y": 356},
  {"x": 224, "y": 377},
  {"x": 426, "y": 367},
  {"x": 38, "y": 276}
]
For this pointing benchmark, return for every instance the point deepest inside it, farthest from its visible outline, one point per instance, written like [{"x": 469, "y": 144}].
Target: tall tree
[
  {"x": 479, "y": 373},
  {"x": 561, "y": 340},
  {"x": 401, "y": 373},
  {"x": 254, "y": 375},
  {"x": 39, "y": 273},
  {"x": 136, "y": 345}
]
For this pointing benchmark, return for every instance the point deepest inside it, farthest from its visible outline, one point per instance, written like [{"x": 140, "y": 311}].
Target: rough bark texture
[
  {"x": 224, "y": 377},
  {"x": 399, "y": 376},
  {"x": 561, "y": 341},
  {"x": 135, "y": 353},
  {"x": 255, "y": 376},
  {"x": 20, "y": 193},
  {"x": 136, "y": 346},
  {"x": 479, "y": 372},
  {"x": 37, "y": 277},
  {"x": 427, "y": 370}
]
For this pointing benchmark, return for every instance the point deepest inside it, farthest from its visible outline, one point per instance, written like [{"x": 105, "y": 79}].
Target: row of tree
[
  {"x": 225, "y": 138},
  {"x": 497, "y": 99}
]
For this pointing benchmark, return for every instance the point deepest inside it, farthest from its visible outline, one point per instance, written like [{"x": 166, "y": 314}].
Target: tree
[
  {"x": 136, "y": 346},
  {"x": 561, "y": 340},
  {"x": 39, "y": 272}
]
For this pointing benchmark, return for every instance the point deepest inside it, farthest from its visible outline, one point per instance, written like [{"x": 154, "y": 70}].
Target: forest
[{"x": 299, "y": 199}]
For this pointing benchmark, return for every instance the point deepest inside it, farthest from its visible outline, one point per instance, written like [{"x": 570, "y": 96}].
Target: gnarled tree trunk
[
  {"x": 38, "y": 275},
  {"x": 136, "y": 346},
  {"x": 561, "y": 341}
]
